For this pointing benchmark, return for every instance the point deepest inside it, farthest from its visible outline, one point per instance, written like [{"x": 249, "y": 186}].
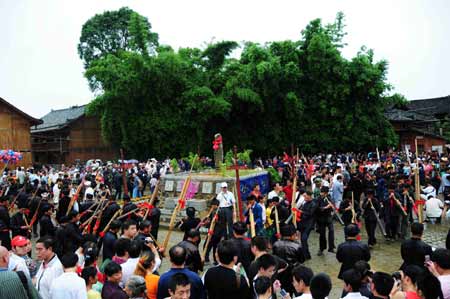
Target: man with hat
[
  {"x": 19, "y": 259},
  {"x": 226, "y": 203},
  {"x": 351, "y": 251},
  {"x": 324, "y": 219}
]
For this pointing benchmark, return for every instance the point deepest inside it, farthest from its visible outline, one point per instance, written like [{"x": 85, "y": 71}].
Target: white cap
[
  {"x": 87, "y": 183},
  {"x": 224, "y": 185},
  {"x": 90, "y": 191}
]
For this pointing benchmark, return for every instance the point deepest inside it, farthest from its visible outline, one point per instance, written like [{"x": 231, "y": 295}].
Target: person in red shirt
[{"x": 288, "y": 191}]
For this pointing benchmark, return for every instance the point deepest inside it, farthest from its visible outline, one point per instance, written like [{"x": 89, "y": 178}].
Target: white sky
[{"x": 40, "y": 69}]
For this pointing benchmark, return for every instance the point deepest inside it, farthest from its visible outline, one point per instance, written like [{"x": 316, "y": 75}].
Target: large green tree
[{"x": 157, "y": 101}]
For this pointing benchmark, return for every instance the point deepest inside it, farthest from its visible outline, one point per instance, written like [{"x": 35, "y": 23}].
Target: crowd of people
[{"x": 94, "y": 240}]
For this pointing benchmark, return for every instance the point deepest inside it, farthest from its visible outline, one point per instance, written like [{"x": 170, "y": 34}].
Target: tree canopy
[{"x": 154, "y": 100}]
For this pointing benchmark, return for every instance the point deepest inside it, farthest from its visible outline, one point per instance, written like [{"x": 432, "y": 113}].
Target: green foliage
[
  {"x": 274, "y": 175},
  {"x": 154, "y": 100},
  {"x": 174, "y": 165},
  {"x": 243, "y": 157},
  {"x": 194, "y": 161}
]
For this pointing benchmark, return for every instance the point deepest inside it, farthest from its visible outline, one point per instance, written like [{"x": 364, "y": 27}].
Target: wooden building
[
  {"x": 410, "y": 125},
  {"x": 69, "y": 136},
  {"x": 15, "y": 130}
]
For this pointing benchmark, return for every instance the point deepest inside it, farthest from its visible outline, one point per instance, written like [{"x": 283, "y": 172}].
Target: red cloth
[{"x": 288, "y": 191}]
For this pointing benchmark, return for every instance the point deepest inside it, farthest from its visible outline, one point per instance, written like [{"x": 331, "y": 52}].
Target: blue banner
[{"x": 248, "y": 183}]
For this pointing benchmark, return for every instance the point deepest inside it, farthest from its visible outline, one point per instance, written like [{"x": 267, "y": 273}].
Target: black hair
[
  {"x": 121, "y": 247},
  {"x": 47, "y": 241},
  {"x": 353, "y": 278},
  {"x": 430, "y": 286},
  {"x": 382, "y": 283},
  {"x": 116, "y": 224},
  {"x": 69, "y": 260},
  {"x": 320, "y": 286},
  {"x": 177, "y": 255},
  {"x": 302, "y": 273},
  {"x": 126, "y": 225},
  {"x": 239, "y": 228},
  {"x": 261, "y": 243},
  {"x": 266, "y": 261},
  {"x": 413, "y": 272},
  {"x": 192, "y": 233},
  {"x": 190, "y": 212},
  {"x": 90, "y": 253},
  {"x": 441, "y": 257},
  {"x": 134, "y": 250},
  {"x": 287, "y": 230},
  {"x": 87, "y": 273},
  {"x": 251, "y": 197},
  {"x": 275, "y": 199},
  {"x": 178, "y": 279},
  {"x": 362, "y": 267},
  {"x": 72, "y": 214},
  {"x": 417, "y": 228},
  {"x": 144, "y": 224},
  {"x": 226, "y": 250},
  {"x": 89, "y": 196},
  {"x": 215, "y": 202},
  {"x": 112, "y": 268},
  {"x": 262, "y": 284},
  {"x": 351, "y": 230}
]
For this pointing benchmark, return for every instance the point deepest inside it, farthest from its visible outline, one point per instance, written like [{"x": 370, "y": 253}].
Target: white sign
[
  {"x": 168, "y": 186},
  {"x": 207, "y": 187}
]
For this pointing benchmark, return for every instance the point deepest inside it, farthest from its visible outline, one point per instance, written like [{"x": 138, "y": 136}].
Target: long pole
[
  {"x": 124, "y": 174},
  {"x": 238, "y": 184},
  {"x": 183, "y": 193},
  {"x": 294, "y": 192},
  {"x": 417, "y": 185}
]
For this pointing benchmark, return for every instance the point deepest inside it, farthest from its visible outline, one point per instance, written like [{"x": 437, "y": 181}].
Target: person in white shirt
[
  {"x": 68, "y": 285},
  {"x": 433, "y": 209},
  {"x": 352, "y": 283},
  {"x": 301, "y": 277},
  {"x": 129, "y": 266},
  {"x": 276, "y": 192},
  {"x": 428, "y": 190},
  {"x": 57, "y": 190},
  {"x": 226, "y": 203},
  {"x": 50, "y": 269},
  {"x": 440, "y": 267}
]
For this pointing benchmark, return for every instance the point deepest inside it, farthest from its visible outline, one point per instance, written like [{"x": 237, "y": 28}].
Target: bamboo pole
[
  {"x": 252, "y": 222},
  {"x": 417, "y": 185},
  {"x": 294, "y": 194},
  {"x": 238, "y": 184},
  {"x": 183, "y": 193},
  {"x": 210, "y": 233}
]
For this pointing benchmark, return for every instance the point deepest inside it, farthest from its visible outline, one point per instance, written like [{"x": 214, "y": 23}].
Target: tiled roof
[
  {"x": 58, "y": 119},
  {"x": 431, "y": 106},
  {"x": 33, "y": 121},
  {"x": 395, "y": 114}
]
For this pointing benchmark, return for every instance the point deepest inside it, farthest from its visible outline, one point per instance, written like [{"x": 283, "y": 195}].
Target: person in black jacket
[
  {"x": 351, "y": 251},
  {"x": 193, "y": 259},
  {"x": 447, "y": 241},
  {"x": 393, "y": 212},
  {"x": 20, "y": 224},
  {"x": 407, "y": 202},
  {"x": 188, "y": 223},
  {"x": 72, "y": 234},
  {"x": 4, "y": 223},
  {"x": 245, "y": 255},
  {"x": 306, "y": 224},
  {"x": 110, "y": 238},
  {"x": 154, "y": 216},
  {"x": 290, "y": 251},
  {"x": 47, "y": 228},
  {"x": 370, "y": 207},
  {"x": 324, "y": 219},
  {"x": 414, "y": 250},
  {"x": 108, "y": 213}
]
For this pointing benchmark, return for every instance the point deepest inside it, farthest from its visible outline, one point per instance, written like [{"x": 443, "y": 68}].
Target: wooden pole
[
  {"x": 277, "y": 223},
  {"x": 124, "y": 174},
  {"x": 353, "y": 209},
  {"x": 294, "y": 193},
  {"x": 210, "y": 233},
  {"x": 417, "y": 185},
  {"x": 183, "y": 193},
  {"x": 252, "y": 222},
  {"x": 238, "y": 184}
]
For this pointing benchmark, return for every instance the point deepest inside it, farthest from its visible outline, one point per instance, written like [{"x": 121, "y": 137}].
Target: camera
[
  {"x": 397, "y": 276},
  {"x": 148, "y": 240}
]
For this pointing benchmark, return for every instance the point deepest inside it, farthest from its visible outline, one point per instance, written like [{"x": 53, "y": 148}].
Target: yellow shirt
[
  {"x": 92, "y": 294},
  {"x": 268, "y": 220}
]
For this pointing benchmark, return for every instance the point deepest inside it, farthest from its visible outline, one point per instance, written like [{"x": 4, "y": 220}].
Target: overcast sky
[{"x": 40, "y": 69}]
